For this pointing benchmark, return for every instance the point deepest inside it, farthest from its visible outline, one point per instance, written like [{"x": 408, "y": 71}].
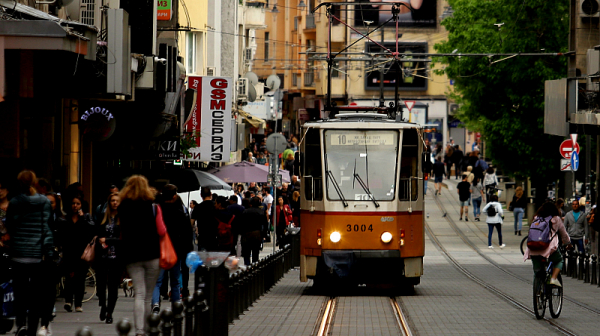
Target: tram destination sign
[{"x": 351, "y": 139}]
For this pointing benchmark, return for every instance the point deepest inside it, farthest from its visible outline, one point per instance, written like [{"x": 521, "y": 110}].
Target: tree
[{"x": 503, "y": 97}]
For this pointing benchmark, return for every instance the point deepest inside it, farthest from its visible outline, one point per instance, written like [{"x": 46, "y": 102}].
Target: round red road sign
[{"x": 566, "y": 148}]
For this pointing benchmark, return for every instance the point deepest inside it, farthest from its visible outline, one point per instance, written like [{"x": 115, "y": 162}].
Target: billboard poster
[
  {"x": 211, "y": 119},
  {"x": 164, "y": 10},
  {"x": 424, "y": 14}
]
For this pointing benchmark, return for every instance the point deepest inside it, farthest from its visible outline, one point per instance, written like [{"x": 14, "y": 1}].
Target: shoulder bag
[
  {"x": 168, "y": 257},
  {"x": 90, "y": 251}
]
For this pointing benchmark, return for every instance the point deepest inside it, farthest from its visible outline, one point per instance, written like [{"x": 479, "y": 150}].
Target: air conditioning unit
[
  {"x": 242, "y": 88},
  {"x": 248, "y": 55},
  {"x": 589, "y": 8},
  {"x": 211, "y": 71},
  {"x": 453, "y": 108},
  {"x": 85, "y": 11}
]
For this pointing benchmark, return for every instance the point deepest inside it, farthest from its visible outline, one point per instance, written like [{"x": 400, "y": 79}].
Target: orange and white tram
[{"x": 362, "y": 209}]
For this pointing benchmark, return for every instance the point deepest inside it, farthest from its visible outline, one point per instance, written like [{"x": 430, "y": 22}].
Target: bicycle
[
  {"x": 523, "y": 244},
  {"x": 90, "y": 286},
  {"x": 544, "y": 293}
]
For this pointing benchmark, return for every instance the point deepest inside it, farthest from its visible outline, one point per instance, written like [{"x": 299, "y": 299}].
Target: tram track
[
  {"x": 326, "y": 320},
  {"x": 474, "y": 247}
]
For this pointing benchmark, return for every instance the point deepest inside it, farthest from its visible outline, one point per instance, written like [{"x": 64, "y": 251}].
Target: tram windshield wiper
[
  {"x": 365, "y": 188},
  {"x": 335, "y": 184}
]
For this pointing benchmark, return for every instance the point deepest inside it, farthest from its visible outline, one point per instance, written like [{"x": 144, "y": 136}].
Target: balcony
[
  {"x": 310, "y": 22},
  {"x": 255, "y": 15},
  {"x": 309, "y": 78}
]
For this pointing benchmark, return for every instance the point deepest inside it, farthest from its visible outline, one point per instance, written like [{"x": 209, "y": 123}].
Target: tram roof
[{"x": 366, "y": 120}]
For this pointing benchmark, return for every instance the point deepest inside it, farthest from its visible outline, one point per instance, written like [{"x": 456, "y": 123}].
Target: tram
[{"x": 362, "y": 200}]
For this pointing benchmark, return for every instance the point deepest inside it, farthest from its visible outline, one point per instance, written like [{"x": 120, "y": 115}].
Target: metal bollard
[
  {"x": 178, "y": 318},
  {"x": 587, "y": 269},
  {"x": 573, "y": 262},
  {"x": 167, "y": 317},
  {"x": 566, "y": 264},
  {"x": 231, "y": 303},
  {"x": 594, "y": 280},
  {"x": 153, "y": 322},
  {"x": 189, "y": 315},
  {"x": 85, "y": 331},
  {"x": 124, "y": 327},
  {"x": 198, "y": 310},
  {"x": 581, "y": 271}
]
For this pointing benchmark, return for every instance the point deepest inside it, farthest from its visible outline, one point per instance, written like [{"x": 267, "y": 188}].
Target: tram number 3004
[{"x": 359, "y": 228}]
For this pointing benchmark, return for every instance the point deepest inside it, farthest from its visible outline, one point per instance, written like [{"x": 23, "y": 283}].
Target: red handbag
[{"x": 168, "y": 257}]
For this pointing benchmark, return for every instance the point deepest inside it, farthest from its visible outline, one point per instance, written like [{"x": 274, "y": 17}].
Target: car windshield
[{"x": 370, "y": 155}]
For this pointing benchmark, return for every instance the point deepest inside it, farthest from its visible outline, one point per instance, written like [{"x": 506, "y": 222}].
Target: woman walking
[
  {"x": 295, "y": 204},
  {"x": 108, "y": 265},
  {"x": 27, "y": 218},
  {"x": 78, "y": 231},
  {"x": 494, "y": 220},
  {"x": 140, "y": 247},
  {"x": 518, "y": 203},
  {"x": 284, "y": 218},
  {"x": 476, "y": 197}
]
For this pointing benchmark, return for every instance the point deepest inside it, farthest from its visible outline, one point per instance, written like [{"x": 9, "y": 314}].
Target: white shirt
[
  {"x": 490, "y": 179},
  {"x": 494, "y": 219},
  {"x": 269, "y": 200}
]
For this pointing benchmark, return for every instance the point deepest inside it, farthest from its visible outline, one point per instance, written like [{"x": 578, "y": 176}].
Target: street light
[
  {"x": 274, "y": 10},
  {"x": 301, "y": 5}
]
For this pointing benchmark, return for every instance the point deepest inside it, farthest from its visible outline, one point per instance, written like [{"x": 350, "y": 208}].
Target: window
[
  {"x": 311, "y": 166},
  {"x": 354, "y": 157},
  {"x": 191, "y": 52},
  {"x": 409, "y": 165},
  {"x": 266, "y": 47},
  {"x": 294, "y": 79}
]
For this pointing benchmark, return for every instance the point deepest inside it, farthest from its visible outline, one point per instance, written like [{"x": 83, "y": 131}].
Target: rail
[{"x": 219, "y": 298}]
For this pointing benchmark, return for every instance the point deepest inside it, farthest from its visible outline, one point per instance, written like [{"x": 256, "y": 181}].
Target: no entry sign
[{"x": 566, "y": 148}]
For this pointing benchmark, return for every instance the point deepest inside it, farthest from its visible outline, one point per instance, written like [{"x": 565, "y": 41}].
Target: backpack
[
  {"x": 540, "y": 234},
  {"x": 481, "y": 164},
  {"x": 491, "y": 210},
  {"x": 224, "y": 235}
]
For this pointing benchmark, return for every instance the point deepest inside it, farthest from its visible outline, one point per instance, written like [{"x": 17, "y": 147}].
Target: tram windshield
[{"x": 367, "y": 155}]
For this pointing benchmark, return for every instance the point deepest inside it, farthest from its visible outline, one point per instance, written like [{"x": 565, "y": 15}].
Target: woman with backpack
[
  {"x": 518, "y": 205},
  {"x": 494, "y": 220},
  {"x": 543, "y": 240}
]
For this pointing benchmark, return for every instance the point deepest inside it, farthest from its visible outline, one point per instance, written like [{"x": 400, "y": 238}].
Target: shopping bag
[{"x": 168, "y": 257}]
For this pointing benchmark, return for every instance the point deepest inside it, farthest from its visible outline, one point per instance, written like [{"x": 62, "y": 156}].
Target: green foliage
[
  {"x": 504, "y": 99},
  {"x": 188, "y": 141}
]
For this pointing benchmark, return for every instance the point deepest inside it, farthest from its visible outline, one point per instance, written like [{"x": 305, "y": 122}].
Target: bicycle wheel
[
  {"x": 523, "y": 245},
  {"x": 90, "y": 285},
  {"x": 556, "y": 299},
  {"x": 539, "y": 298}
]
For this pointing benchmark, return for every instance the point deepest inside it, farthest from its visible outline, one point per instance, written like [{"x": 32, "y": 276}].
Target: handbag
[
  {"x": 511, "y": 207},
  {"x": 90, "y": 251},
  {"x": 168, "y": 257}
]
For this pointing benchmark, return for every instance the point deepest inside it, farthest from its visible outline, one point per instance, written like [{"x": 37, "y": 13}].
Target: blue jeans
[
  {"x": 175, "y": 276},
  {"x": 476, "y": 206},
  {"x": 425, "y": 187},
  {"x": 499, "y": 229},
  {"x": 579, "y": 244},
  {"x": 518, "y": 213}
]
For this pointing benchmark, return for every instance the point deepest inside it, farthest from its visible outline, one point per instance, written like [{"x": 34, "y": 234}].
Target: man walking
[
  {"x": 464, "y": 193},
  {"x": 438, "y": 172},
  {"x": 204, "y": 219},
  {"x": 576, "y": 225}
]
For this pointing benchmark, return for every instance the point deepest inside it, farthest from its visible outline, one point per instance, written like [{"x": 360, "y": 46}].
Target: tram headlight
[
  {"x": 335, "y": 237},
  {"x": 386, "y": 237}
]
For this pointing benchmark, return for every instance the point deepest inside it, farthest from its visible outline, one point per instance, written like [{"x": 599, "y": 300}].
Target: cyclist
[{"x": 551, "y": 253}]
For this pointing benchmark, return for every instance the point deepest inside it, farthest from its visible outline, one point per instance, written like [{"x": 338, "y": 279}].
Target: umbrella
[
  {"x": 192, "y": 179},
  {"x": 246, "y": 172}
]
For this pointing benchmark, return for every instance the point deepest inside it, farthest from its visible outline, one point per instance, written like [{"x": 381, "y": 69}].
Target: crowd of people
[
  {"x": 45, "y": 234},
  {"x": 257, "y": 153}
]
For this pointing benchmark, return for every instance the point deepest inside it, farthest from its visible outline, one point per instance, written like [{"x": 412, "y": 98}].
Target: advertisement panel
[
  {"x": 211, "y": 119},
  {"x": 164, "y": 10},
  {"x": 423, "y": 14}
]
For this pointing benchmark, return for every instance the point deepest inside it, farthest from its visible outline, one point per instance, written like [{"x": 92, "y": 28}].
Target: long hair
[
  {"x": 519, "y": 192},
  {"x": 27, "y": 180},
  {"x": 109, "y": 213},
  {"x": 546, "y": 210},
  {"x": 58, "y": 201},
  {"x": 296, "y": 196},
  {"x": 137, "y": 188}
]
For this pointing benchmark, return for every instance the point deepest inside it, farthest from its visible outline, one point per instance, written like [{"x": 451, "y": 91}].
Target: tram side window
[
  {"x": 409, "y": 165},
  {"x": 312, "y": 173}
]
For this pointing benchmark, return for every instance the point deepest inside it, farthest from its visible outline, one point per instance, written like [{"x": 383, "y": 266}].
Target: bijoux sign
[{"x": 97, "y": 123}]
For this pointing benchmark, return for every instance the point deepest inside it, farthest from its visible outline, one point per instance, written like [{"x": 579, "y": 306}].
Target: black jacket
[
  {"x": 112, "y": 240},
  {"x": 178, "y": 227},
  {"x": 204, "y": 214},
  {"x": 253, "y": 219},
  {"x": 139, "y": 237},
  {"x": 27, "y": 222},
  {"x": 438, "y": 169},
  {"x": 519, "y": 203},
  {"x": 75, "y": 237}
]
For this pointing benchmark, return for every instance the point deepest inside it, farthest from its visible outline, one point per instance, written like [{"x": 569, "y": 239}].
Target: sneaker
[
  {"x": 466, "y": 219},
  {"x": 42, "y": 332},
  {"x": 554, "y": 282},
  {"x": 503, "y": 246},
  {"x": 79, "y": 309},
  {"x": 68, "y": 307},
  {"x": 155, "y": 309},
  {"x": 490, "y": 247},
  {"x": 460, "y": 219},
  {"x": 22, "y": 331}
]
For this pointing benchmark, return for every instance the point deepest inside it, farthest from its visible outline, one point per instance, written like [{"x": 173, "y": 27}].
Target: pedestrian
[
  {"x": 296, "y": 182},
  {"x": 251, "y": 158},
  {"x": 77, "y": 233},
  {"x": 234, "y": 208},
  {"x": 260, "y": 159},
  {"x": 480, "y": 168},
  {"x": 464, "y": 194},
  {"x": 31, "y": 242},
  {"x": 178, "y": 227},
  {"x": 205, "y": 221},
  {"x": 289, "y": 163},
  {"x": 108, "y": 265},
  {"x": 284, "y": 218},
  {"x": 193, "y": 204},
  {"x": 252, "y": 187},
  {"x": 518, "y": 204},
  {"x": 253, "y": 220},
  {"x": 426, "y": 165},
  {"x": 56, "y": 221},
  {"x": 493, "y": 209},
  {"x": 560, "y": 204},
  {"x": 226, "y": 231},
  {"x": 286, "y": 190},
  {"x": 470, "y": 175},
  {"x": 448, "y": 160},
  {"x": 268, "y": 201},
  {"x": 476, "y": 197},
  {"x": 101, "y": 208},
  {"x": 140, "y": 244},
  {"x": 438, "y": 174},
  {"x": 295, "y": 205},
  {"x": 457, "y": 159},
  {"x": 490, "y": 182},
  {"x": 577, "y": 226}
]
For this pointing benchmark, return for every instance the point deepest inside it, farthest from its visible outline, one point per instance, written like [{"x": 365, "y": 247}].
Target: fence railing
[{"x": 219, "y": 299}]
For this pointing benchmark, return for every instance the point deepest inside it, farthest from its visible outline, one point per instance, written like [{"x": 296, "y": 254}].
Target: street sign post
[
  {"x": 574, "y": 161},
  {"x": 566, "y": 148}
]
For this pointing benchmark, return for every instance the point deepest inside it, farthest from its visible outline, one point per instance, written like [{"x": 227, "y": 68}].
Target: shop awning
[{"x": 252, "y": 120}]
